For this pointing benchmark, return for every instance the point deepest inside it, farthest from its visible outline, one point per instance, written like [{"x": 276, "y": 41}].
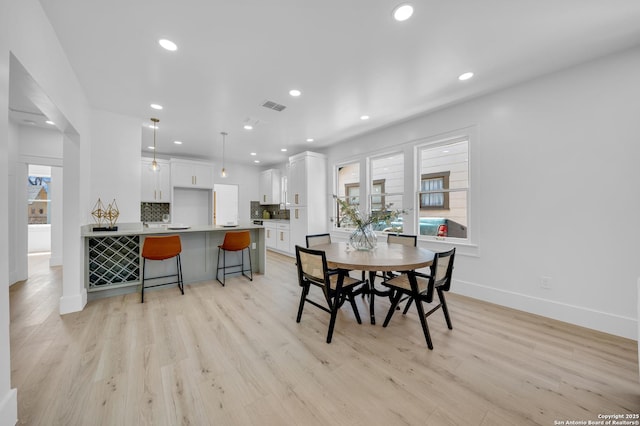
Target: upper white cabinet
[
  {"x": 155, "y": 185},
  {"x": 191, "y": 174},
  {"x": 307, "y": 196},
  {"x": 270, "y": 187}
]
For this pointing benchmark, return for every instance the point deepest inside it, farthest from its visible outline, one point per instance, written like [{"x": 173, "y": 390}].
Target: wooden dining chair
[
  {"x": 336, "y": 288},
  {"x": 421, "y": 287}
]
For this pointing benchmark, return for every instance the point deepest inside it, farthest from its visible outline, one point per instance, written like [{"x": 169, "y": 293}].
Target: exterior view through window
[
  {"x": 443, "y": 189},
  {"x": 348, "y": 178},
  {"x": 38, "y": 190},
  {"x": 387, "y": 187}
]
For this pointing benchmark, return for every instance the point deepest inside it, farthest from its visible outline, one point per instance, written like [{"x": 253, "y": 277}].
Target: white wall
[
  {"x": 39, "y": 238},
  {"x": 115, "y": 162},
  {"x": 554, "y": 181},
  {"x": 26, "y": 33},
  {"x": 8, "y": 396}
]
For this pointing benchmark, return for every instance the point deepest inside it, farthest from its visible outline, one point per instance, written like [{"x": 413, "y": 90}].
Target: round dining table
[{"x": 386, "y": 257}]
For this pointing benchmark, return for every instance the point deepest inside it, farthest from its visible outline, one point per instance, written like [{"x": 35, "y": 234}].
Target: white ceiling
[{"x": 348, "y": 58}]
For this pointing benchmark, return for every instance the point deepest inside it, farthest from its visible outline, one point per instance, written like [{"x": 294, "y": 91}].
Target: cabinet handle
[
  {"x": 296, "y": 215},
  {"x": 264, "y": 198},
  {"x": 281, "y": 239},
  {"x": 268, "y": 233},
  {"x": 160, "y": 194},
  {"x": 154, "y": 195},
  {"x": 296, "y": 197}
]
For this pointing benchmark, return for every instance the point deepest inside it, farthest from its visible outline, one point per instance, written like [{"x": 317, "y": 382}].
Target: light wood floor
[{"x": 236, "y": 356}]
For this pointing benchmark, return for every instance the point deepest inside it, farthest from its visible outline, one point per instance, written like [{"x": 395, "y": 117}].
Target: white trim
[
  {"x": 9, "y": 408},
  {"x": 75, "y": 303},
  {"x": 596, "y": 320},
  {"x": 44, "y": 161}
]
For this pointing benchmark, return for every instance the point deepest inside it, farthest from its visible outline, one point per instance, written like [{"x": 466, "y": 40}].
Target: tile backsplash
[
  {"x": 257, "y": 210},
  {"x": 152, "y": 212}
]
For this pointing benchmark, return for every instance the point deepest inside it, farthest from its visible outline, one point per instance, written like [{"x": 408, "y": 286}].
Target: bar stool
[
  {"x": 162, "y": 248},
  {"x": 234, "y": 241}
]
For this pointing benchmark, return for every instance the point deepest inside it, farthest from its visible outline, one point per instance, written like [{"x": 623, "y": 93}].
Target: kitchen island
[{"x": 113, "y": 263}]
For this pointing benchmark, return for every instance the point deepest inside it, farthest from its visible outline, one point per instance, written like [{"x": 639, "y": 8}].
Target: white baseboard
[
  {"x": 584, "y": 317},
  {"x": 75, "y": 303},
  {"x": 9, "y": 408}
]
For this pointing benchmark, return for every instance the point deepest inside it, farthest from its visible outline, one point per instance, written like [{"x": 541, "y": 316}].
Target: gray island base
[{"x": 113, "y": 262}]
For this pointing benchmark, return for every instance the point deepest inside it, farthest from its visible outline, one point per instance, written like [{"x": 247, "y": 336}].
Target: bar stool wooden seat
[
  {"x": 162, "y": 248},
  {"x": 234, "y": 241}
]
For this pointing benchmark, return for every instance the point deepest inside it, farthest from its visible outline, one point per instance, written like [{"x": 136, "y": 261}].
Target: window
[
  {"x": 444, "y": 187},
  {"x": 377, "y": 195},
  {"x": 39, "y": 197},
  {"x": 348, "y": 188}
]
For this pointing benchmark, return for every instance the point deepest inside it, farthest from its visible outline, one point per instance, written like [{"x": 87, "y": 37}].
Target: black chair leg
[
  {"x": 423, "y": 322},
  {"x": 406, "y": 308},
  {"x": 445, "y": 310},
  {"x": 144, "y": 263},
  {"x": 352, "y": 300},
  {"x": 394, "y": 302},
  {"x": 303, "y": 297},
  {"x": 334, "y": 313},
  {"x": 180, "y": 280}
]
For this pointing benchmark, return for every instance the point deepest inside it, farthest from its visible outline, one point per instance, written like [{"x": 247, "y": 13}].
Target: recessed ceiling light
[
  {"x": 248, "y": 127},
  {"x": 29, "y": 121},
  {"x": 364, "y": 117},
  {"x": 156, "y": 106},
  {"x": 310, "y": 139},
  {"x": 402, "y": 12},
  {"x": 178, "y": 142},
  {"x": 295, "y": 92},
  {"x": 168, "y": 44},
  {"x": 253, "y": 153},
  {"x": 50, "y": 122},
  {"x": 283, "y": 149},
  {"x": 465, "y": 76},
  {"x": 256, "y": 161},
  {"x": 151, "y": 148}
]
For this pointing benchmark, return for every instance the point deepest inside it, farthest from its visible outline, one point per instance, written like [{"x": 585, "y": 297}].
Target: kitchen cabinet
[
  {"x": 282, "y": 236},
  {"x": 270, "y": 186},
  {"x": 307, "y": 196},
  {"x": 191, "y": 174},
  {"x": 155, "y": 185},
  {"x": 270, "y": 234}
]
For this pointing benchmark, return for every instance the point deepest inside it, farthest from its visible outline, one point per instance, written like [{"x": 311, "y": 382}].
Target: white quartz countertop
[{"x": 139, "y": 229}]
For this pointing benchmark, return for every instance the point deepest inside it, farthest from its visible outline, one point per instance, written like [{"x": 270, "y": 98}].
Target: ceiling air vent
[{"x": 273, "y": 105}]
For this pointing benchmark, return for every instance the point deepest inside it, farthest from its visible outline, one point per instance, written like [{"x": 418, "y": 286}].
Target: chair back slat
[
  {"x": 317, "y": 239},
  {"x": 311, "y": 265},
  {"x": 407, "y": 240},
  {"x": 442, "y": 269}
]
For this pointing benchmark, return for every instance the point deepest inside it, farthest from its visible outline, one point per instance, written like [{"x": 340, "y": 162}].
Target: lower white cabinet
[
  {"x": 282, "y": 236},
  {"x": 277, "y": 236},
  {"x": 270, "y": 233}
]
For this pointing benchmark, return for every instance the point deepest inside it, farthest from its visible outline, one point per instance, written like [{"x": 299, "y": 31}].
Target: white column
[{"x": 56, "y": 216}]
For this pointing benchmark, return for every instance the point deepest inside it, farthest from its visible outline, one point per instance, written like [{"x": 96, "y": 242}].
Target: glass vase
[{"x": 363, "y": 238}]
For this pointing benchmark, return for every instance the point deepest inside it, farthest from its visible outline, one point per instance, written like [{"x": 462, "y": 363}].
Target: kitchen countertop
[{"x": 139, "y": 229}]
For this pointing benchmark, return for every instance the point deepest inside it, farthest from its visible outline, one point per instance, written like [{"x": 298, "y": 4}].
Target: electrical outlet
[
  {"x": 253, "y": 246},
  {"x": 545, "y": 282}
]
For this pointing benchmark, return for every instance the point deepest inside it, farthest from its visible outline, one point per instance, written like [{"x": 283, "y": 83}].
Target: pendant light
[
  {"x": 223, "y": 173},
  {"x": 154, "y": 164}
]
